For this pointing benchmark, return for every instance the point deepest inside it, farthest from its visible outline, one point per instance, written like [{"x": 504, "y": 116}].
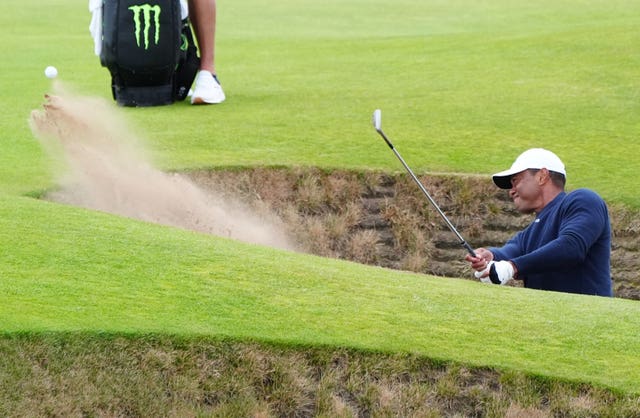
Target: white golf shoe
[{"x": 207, "y": 89}]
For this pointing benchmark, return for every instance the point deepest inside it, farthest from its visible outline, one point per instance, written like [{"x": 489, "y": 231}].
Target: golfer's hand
[
  {"x": 482, "y": 259},
  {"x": 483, "y": 274},
  {"x": 489, "y": 271}
]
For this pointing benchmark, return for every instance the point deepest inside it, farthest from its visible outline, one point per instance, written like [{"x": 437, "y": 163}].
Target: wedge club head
[{"x": 377, "y": 119}]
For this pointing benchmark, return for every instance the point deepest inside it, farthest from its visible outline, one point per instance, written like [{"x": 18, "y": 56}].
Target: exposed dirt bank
[{"x": 384, "y": 220}]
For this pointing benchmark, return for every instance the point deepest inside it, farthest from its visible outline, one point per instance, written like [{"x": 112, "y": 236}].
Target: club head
[{"x": 377, "y": 119}]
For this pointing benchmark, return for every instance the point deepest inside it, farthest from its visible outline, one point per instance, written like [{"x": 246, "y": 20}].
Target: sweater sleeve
[
  {"x": 510, "y": 250},
  {"x": 582, "y": 219}
]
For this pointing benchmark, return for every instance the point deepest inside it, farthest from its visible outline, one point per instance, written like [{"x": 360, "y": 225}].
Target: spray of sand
[{"x": 108, "y": 171}]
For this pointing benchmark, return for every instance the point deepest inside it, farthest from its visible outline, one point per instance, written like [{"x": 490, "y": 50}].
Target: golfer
[{"x": 567, "y": 247}]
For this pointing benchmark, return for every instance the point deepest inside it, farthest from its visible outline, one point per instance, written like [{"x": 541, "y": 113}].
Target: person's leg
[
  {"x": 202, "y": 14},
  {"x": 207, "y": 89}
]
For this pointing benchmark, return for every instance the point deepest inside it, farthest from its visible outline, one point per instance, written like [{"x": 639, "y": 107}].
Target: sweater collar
[{"x": 555, "y": 202}]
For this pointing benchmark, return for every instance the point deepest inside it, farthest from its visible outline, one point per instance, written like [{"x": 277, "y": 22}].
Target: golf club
[{"x": 377, "y": 123}]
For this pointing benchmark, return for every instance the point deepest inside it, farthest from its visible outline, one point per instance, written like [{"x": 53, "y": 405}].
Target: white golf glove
[
  {"x": 500, "y": 272},
  {"x": 480, "y": 273}
]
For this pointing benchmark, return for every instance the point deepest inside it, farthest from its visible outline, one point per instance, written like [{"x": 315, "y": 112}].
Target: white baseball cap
[{"x": 535, "y": 158}]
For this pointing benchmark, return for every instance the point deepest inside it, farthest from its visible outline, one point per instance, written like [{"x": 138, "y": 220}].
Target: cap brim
[
  {"x": 503, "y": 182},
  {"x": 503, "y": 178}
]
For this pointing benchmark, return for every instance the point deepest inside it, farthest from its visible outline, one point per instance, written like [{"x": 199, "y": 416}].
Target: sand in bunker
[{"x": 108, "y": 171}]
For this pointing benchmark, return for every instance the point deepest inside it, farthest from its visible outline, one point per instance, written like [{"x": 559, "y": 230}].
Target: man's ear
[{"x": 544, "y": 176}]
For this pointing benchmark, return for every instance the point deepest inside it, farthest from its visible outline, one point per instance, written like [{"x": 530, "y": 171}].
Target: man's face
[{"x": 526, "y": 191}]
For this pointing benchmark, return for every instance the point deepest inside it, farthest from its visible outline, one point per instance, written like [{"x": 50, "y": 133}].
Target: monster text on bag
[{"x": 147, "y": 11}]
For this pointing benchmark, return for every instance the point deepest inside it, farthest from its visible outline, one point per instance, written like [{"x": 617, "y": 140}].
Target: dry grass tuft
[
  {"x": 413, "y": 262},
  {"x": 93, "y": 375},
  {"x": 408, "y": 229},
  {"x": 625, "y": 221},
  {"x": 516, "y": 411},
  {"x": 364, "y": 247},
  {"x": 316, "y": 238},
  {"x": 310, "y": 194}
]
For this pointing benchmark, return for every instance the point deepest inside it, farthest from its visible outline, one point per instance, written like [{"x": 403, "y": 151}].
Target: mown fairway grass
[{"x": 464, "y": 86}]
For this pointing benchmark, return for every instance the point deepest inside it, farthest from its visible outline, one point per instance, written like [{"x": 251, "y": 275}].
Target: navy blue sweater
[{"x": 567, "y": 248}]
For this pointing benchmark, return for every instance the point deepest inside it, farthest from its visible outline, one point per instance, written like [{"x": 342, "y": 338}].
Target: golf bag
[{"x": 149, "y": 51}]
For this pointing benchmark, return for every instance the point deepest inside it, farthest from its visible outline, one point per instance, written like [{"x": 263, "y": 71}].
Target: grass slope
[
  {"x": 107, "y": 274},
  {"x": 464, "y": 86}
]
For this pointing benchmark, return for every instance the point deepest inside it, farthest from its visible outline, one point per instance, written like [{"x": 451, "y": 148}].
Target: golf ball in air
[{"x": 51, "y": 72}]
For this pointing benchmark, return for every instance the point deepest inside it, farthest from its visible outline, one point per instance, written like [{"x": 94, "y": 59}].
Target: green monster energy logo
[{"x": 146, "y": 10}]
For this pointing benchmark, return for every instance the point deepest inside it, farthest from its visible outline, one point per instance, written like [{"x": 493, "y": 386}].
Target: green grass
[
  {"x": 464, "y": 87},
  {"x": 75, "y": 270}
]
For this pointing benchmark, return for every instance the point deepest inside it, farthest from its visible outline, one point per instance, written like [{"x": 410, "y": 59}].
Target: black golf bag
[{"x": 149, "y": 51}]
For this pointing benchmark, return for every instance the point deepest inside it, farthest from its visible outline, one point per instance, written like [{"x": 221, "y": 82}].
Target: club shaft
[{"x": 426, "y": 193}]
